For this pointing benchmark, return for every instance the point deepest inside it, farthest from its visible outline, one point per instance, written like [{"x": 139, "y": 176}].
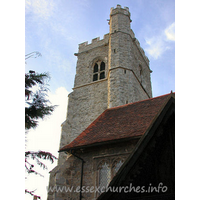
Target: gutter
[{"x": 81, "y": 182}]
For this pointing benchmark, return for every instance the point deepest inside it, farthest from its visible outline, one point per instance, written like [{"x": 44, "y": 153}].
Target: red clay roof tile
[{"x": 120, "y": 122}]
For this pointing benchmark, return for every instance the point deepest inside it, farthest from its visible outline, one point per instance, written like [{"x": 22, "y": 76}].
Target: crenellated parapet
[
  {"x": 119, "y": 9},
  {"x": 96, "y": 42}
]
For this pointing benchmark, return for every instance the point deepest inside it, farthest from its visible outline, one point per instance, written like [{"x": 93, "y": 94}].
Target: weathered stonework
[
  {"x": 127, "y": 79},
  {"x": 69, "y": 174}
]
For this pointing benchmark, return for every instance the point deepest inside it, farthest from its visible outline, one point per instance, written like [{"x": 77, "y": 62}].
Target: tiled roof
[{"x": 122, "y": 122}]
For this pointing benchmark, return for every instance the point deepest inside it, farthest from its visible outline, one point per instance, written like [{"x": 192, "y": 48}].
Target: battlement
[
  {"x": 96, "y": 42},
  {"x": 119, "y": 6},
  {"x": 119, "y": 9}
]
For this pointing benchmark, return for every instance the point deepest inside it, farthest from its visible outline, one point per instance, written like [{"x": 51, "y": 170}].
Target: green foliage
[
  {"x": 37, "y": 104},
  {"x": 32, "y": 79},
  {"x": 37, "y": 156}
]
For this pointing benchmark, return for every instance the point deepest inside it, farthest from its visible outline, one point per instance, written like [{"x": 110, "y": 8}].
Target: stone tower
[{"x": 109, "y": 72}]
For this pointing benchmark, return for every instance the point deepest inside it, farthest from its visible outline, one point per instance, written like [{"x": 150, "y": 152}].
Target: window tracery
[
  {"x": 107, "y": 169},
  {"x": 99, "y": 71}
]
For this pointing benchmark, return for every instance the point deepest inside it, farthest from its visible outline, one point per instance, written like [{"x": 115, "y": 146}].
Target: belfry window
[
  {"x": 95, "y": 77},
  {"x": 99, "y": 71},
  {"x": 102, "y": 66},
  {"x": 95, "y": 68}
]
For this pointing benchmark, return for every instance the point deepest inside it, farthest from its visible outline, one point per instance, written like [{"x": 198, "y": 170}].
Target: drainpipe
[{"x": 81, "y": 183}]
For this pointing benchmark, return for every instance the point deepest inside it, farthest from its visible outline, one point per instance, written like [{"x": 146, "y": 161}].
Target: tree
[
  {"x": 36, "y": 99},
  {"x": 37, "y": 106}
]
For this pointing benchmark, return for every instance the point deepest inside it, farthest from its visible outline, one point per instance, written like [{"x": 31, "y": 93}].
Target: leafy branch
[
  {"x": 37, "y": 106},
  {"x": 37, "y": 156}
]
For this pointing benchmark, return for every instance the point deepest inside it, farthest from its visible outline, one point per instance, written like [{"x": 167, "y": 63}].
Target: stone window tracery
[
  {"x": 107, "y": 169},
  {"x": 99, "y": 71}
]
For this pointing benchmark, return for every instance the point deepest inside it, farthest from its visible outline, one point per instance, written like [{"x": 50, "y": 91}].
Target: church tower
[{"x": 110, "y": 72}]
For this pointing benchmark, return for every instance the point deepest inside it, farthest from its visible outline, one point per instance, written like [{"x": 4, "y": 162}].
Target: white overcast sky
[{"x": 56, "y": 27}]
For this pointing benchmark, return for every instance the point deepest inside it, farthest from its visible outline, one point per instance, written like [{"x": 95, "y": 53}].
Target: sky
[{"x": 56, "y": 27}]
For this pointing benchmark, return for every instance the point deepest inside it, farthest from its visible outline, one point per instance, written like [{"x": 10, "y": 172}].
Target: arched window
[
  {"x": 107, "y": 170},
  {"x": 104, "y": 174},
  {"x": 95, "y": 68},
  {"x": 99, "y": 71},
  {"x": 102, "y": 66}
]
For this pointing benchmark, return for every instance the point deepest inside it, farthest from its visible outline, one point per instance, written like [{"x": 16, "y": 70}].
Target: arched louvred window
[{"x": 99, "y": 71}]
